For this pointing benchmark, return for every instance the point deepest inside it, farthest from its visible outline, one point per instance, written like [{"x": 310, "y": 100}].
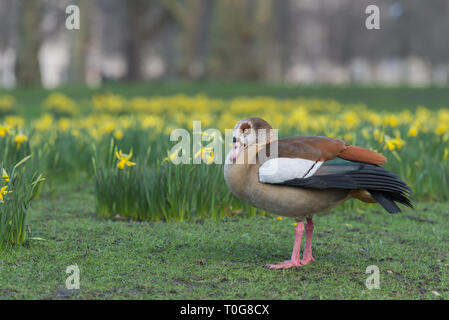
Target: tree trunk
[
  {"x": 79, "y": 45},
  {"x": 27, "y": 65},
  {"x": 133, "y": 45},
  {"x": 283, "y": 25}
]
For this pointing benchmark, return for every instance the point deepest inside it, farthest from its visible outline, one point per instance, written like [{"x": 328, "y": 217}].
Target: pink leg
[
  {"x": 308, "y": 247},
  {"x": 295, "y": 261}
]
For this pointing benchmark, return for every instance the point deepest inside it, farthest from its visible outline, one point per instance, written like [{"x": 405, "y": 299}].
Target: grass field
[
  {"x": 193, "y": 255},
  {"x": 209, "y": 259}
]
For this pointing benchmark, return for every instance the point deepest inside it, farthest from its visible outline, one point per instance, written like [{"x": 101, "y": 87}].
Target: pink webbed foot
[
  {"x": 285, "y": 264},
  {"x": 295, "y": 261},
  {"x": 307, "y": 260}
]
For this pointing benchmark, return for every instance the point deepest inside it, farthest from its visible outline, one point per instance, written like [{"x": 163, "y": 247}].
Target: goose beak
[{"x": 238, "y": 147}]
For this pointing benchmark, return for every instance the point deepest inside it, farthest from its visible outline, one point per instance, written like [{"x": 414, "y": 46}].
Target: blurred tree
[
  {"x": 342, "y": 32},
  {"x": 240, "y": 39},
  {"x": 134, "y": 10},
  {"x": 79, "y": 44},
  {"x": 144, "y": 20},
  {"x": 283, "y": 26},
  {"x": 187, "y": 16},
  {"x": 27, "y": 64}
]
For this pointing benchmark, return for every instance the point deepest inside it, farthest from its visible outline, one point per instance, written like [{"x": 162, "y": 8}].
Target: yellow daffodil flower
[
  {"x": 3, "y": 131},
  {"x": 441, "y": 129},
  {"x": 413, "y": 131},
  {"x": 118, "y": 134},
  {"x": 3, "y": 191},
  {"x": 60, "y": 103},
  {"x": 20, "y": 139},
  {"x": 205, "y": 154},
  {"x": 44, "y": 123},
  {"x": 5, "y": 176},
  {"x": 395, "y": 143},
  {"x": 64, "y": 124},
  {"x": 124, "y": 160},
  {"x": 172, "y": 156}
]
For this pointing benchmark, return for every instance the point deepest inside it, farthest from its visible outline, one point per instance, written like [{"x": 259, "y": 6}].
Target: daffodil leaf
[{"x": 22, "y": 162}]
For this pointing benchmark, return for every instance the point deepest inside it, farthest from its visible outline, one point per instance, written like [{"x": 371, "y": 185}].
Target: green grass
[
  {"x": 210, "y": 259},
  {"x": 378, "y": 98}
]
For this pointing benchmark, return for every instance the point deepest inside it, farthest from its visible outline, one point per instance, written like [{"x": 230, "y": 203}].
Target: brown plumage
[
  {"x": 324, "y": 148},
  {"x": 355, "y": 153}
]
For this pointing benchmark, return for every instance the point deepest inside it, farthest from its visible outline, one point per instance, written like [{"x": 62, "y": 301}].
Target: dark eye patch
[{"x": 245, "y": 126}]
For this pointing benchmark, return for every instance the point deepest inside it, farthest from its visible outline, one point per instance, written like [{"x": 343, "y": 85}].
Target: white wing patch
[{"x": 283, "y": 169}]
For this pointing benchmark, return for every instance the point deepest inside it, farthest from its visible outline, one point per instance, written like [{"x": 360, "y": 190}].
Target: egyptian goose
[{"x": 309, "y": 175}]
